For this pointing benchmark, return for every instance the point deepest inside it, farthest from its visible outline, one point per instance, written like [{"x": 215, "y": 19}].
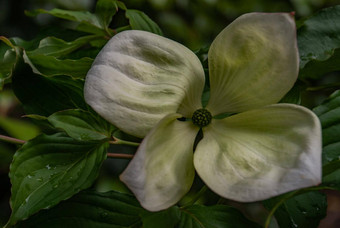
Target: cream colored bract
[{"x": 143, "y": 83}]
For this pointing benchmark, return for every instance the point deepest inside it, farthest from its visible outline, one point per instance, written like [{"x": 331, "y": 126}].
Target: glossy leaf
[
  {"x": 329, "y": 114},
  {"x": 141, "y": 21},
  {"x": 218, "y": 216},
  {"x": 81, "y": 125},
  {"x": 51, "y": 66},
  {"x": 319, "y": 43},
  {"x": 56, "y": 47},
  {"x": 90, "y": 209},
  {"x": 303, "y": 211},
  {"x": 45, "y": 96},
  {"x": 49, "y": 169}
]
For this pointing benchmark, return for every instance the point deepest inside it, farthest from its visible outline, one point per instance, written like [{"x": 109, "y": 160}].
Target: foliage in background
[{"x": 46, "y": 75}]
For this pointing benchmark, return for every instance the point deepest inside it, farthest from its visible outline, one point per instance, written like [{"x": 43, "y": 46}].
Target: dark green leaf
[
  {"x": 6, "y": 156},
  {"x": 45, "y": 96},
  {"x": 319, "y": 43},
  {"x": 81, "y": 125},
  {"x": 294, "y": 95},
  {"x": 167, "y": 218},
  {"x": 303, "y": 211},
  {"x": 42, "y": 122},
  {"x": 8, "y": 60},
  {"x": 49, "y": 169},
  {"x": 329, "y": 115},
  {"x": 56, "y": 47},
  {"x": 51, "y": 66},
  {"x": 105, "y": 10},
  {"x": 90, "y": 209},
  {"x": 218, "y": 216},
  {"x": 140, "y": 21}
]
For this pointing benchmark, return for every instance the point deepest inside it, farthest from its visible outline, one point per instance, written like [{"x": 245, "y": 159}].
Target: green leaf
[
  {"x": 89, "y": 22},
  {"x": 56, "y": 47},
  {"x": 6, "y": 155},
  {"x": 329, "y": 115},
  {"x": 49, "y": 169},
  {"x": 90, "y": 209},
  {"x": 166, "y": 218},
  {"x": 294, "y": 94},
  {"x": 51, "y": 66},
  {"x": 81, "y": 125},
  {"x": 105, "y": 10},
  {"x": 303, "y": 211},
  {"x": 8, "y": 61},
  {"x": 19, "y": 128},
  {"x": 217, "y": 216},
  {"x": 140, "y": 21},
  {"x": 45, "y": 96},
  {"x": 319, "y": 43}
]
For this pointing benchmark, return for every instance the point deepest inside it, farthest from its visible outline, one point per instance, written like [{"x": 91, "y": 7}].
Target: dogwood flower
[{"x": 146, "y": 85}]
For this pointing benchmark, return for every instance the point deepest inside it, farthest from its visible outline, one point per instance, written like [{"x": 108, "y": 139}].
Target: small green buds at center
[{"x": 201, "y": 117}]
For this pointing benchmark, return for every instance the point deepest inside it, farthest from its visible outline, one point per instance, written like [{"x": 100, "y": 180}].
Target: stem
[
  {"x": 196, "y": 197},
  {"x": 11, "y": 140},
  {"x": 117, "y": 141},
  {"x": 120, "y": 29},
  {"x": 278, "y": 204},
  {"x": 123, "y": 156},
  {"x": 327, "y": 86}
]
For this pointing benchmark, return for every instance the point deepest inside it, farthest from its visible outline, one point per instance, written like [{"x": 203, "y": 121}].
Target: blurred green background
[{"x": 193, "y": 23}]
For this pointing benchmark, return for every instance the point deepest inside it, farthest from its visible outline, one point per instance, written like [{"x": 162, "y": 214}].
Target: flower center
[{"x": 201, "y": 117}]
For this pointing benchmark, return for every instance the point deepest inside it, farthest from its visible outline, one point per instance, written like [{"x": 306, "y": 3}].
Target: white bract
[{"x": 143, "y": 83}]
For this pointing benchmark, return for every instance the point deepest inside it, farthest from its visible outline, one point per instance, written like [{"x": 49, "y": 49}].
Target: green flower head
[{"x": 146, "y": 85}]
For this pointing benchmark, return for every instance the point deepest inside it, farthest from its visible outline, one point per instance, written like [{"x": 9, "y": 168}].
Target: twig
[
  {"x": 123, "y": 156},
  {"x": 11, "y": 140}
]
